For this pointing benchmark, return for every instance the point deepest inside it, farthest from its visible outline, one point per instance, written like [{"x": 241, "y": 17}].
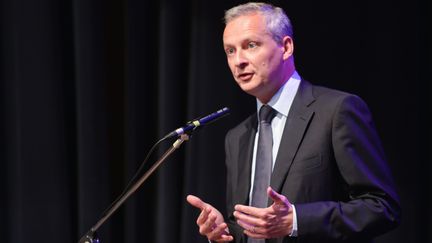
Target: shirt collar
[{"x": 284, "y": 97}]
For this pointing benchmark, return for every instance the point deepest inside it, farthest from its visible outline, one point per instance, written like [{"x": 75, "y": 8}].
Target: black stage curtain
[{"x": 87, "y": 87}]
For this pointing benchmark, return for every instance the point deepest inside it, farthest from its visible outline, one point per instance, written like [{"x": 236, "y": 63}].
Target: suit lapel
[
  {"x": 295, "y": 127},
  {"x": 246, "y": 143}
]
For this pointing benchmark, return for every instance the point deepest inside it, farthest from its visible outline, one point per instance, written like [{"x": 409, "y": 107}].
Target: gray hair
[{"x": 278, "y": 23}]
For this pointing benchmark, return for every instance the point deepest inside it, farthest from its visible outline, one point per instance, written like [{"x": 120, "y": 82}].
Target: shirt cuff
[{"x": 294, "y": 227}]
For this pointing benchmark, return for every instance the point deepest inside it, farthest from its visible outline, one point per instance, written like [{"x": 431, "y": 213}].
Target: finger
[
  {"x": 252, "y": 231},
  {"x": 248, "y": 219},
  {"x": 252, "y": 211},
  {"x": 225, "y": 235},
  {"x": 222, "y": 238},
  {"x": 218, "y": 232},
  {"x": 195, "y": 201},
  {"x": 203, "y": 216},
  {"x": 208, "y": 225},
  {"x": 225, "y": 238},
  {"x": 244, "y": 225},
  {"x": 251, "y": 228},
  {"x": 276, "y": 197}
]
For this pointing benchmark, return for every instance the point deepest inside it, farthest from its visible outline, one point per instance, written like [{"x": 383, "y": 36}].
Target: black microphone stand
[{"x": 91, "y": 235}]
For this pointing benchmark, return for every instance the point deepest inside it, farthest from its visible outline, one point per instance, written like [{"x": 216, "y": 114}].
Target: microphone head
[
  {"x": 214, "y": 116},
  {"x": 192, "y": 125}
]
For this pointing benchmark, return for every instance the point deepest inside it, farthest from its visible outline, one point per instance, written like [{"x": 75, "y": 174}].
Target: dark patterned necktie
[{"x": 263, "y": 166}]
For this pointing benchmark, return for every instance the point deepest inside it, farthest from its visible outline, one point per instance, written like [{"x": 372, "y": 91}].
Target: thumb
[
  {"x": 196, "y": 202},
  {"x": 276, "y": 197}
]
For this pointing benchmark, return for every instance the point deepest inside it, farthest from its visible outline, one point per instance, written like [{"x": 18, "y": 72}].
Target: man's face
[{"x": 254, "y": 57}]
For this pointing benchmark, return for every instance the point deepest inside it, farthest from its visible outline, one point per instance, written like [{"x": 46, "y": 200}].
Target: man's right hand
[{"x": 210, "y": 221}]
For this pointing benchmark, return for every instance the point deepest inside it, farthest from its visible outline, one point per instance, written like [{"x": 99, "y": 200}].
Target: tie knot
[{"x": 266, "y": 113}]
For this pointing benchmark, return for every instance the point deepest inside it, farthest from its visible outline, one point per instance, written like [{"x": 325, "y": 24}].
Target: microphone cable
[{"x": 134, "y": 177}]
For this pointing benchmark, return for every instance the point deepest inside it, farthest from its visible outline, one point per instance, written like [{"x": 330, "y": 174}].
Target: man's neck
[{"x": 265, "y": 98}]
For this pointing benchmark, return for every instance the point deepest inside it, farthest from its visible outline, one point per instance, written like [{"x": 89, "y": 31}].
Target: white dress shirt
[{"x": 281, "y": 102}]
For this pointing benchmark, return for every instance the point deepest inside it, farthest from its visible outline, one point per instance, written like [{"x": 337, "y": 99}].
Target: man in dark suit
[{"x": 329, "y": 179}]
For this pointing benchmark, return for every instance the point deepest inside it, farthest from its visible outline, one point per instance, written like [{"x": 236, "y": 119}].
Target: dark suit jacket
[{"x": 330, "y": 165}]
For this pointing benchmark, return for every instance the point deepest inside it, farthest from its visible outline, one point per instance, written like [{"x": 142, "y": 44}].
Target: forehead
[{"x": 244, "y": 27}]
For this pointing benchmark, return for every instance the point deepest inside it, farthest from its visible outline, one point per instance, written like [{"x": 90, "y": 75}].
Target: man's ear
[{"x": 288, "y": 47}]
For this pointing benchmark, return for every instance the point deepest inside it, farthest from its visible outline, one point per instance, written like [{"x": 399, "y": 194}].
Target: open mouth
[{"x": 245, "y": 76}]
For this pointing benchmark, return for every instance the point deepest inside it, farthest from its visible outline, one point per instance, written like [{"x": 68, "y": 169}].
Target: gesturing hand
[
  {"x": 265, "y": 223},
  {"x": 210, "y": 221}
]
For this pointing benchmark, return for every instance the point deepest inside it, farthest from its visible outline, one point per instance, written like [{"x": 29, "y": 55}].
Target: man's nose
[{"x": 240, "y": 60}]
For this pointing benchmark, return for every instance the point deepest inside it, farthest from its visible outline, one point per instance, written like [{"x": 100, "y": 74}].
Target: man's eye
[
  {"x": 230, "y": 51},
  {"x": 252, "y": 44}
]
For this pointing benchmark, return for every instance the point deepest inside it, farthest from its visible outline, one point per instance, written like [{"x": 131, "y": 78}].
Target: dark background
[{"x": 87, "y": 86}]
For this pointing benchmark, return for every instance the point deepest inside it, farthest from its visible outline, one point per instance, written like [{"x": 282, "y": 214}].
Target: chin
[{"x": 249, "y": 90}]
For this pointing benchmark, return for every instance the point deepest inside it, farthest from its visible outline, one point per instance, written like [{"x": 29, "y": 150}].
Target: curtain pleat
[{"x": 87, "y": 87}]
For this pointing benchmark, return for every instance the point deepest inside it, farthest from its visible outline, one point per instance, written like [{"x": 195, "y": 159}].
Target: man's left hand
[{"x": 265, "y": 223}]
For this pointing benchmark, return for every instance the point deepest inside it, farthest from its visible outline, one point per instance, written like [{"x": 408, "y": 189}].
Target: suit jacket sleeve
[{"x": 372, "y": 206}]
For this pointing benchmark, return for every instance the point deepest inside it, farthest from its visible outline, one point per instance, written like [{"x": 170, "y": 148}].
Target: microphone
[{"x": 192, "y": 125}]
